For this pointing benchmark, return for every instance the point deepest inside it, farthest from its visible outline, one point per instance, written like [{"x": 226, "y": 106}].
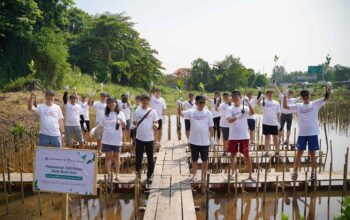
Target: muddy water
[{"x": 221, "y": 205}]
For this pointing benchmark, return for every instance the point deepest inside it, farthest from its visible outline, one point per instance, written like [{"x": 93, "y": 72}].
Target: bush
[{"x": 22, "y": 84}]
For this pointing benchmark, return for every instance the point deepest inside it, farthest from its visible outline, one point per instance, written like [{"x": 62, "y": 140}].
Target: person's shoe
[
  {"x": 193, "y": 178},
  {"x": 250, "y": 179},
  {"x": 149, "y": 179},
  {"x": 294, "y": 175},
  {"x": 313, "y": 176}
]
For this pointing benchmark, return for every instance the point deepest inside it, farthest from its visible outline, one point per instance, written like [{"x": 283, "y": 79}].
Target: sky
[{"x": 300, "y": 32}]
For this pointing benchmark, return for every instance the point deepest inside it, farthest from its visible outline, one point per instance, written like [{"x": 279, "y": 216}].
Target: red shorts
[{"x": 243, "y": 146}]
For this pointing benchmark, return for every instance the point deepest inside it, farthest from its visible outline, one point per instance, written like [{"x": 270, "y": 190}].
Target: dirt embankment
[{"x": 13, "y": 109}]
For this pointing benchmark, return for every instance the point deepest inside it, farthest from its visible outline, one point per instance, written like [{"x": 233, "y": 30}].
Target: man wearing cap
[
  {"x": 307, "y": 113},
  {"x": 186, "y": 105},
  {"x": 238, "y": 138},
  {"x": 287, "y": 115},
  {"x": 158, "y": 104},
  {"x": 100, "y": 107},
  {"x": 201, "y": 127},
  {"x": 146, "y": 121},
  {"x": 73, "y": 111},
  {"x": 51, "y": 120},
  {"x": 271, "y": 120}
]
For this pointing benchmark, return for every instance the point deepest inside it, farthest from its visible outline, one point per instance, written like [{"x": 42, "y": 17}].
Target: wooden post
[
  {"x": 207, "y": 197},
  {"x": 21, "y": 173},
  {"x": 345, "y": 175},
  {"x": 100, "y": 199},
  {"x": 236, "y": 185},
  {"x": 65, "y": 209},
  {"x": 4, "y": 181},
  {"x": 305, "y": 193},
  {"x": 276, "y": 192},
  {"x": 136, "y": 203},
  {"x": 265, "y": 185},
  {"x": 228, "y": 180},
  {"x": 257, "y": 182},
  {"x": 39, "y": 203},
  {"x": 107, "y": 195},
  {"x": 242, "y": 199}
]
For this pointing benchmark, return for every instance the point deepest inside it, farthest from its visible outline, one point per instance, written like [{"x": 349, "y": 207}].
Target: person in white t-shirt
[
  {"x": 286, "y": 116},
  {"x": 307, "y": 113},
  {"x": 146, "y": 121},
  {"x": 224, "y": 125},
  {"x": 201, "y": 129},
  {"x": 85, "y": 114},
  {"x": 237, "y": 117},
  {"x": 51, "y": 120},
  {"x": 100, "y": 108},
  {"x": 158, "y": 104},
  {"x": 73, "y": 111},
  {"x": 112, "y": 122},
  {"x": 186, "y": 105},
  {"x": 251, "y": 118},
  {"x": 214, "y": 103},
  {"x": 124, "y": 105},
  {"x": 271, "y": 120}
]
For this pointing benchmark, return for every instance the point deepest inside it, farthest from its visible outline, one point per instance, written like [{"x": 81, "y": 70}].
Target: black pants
[
  {"x": 142, "y": 146},
  {"x": 217, "y": 127}
]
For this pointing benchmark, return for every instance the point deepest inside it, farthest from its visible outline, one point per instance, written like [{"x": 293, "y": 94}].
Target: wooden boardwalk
[{"x": 170, "y": 194}]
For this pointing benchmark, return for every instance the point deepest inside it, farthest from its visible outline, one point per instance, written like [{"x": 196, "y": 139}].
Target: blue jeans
[{"x": 49, "y": 141}]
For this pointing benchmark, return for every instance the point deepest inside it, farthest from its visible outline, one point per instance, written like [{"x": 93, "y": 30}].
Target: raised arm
[
  {"x": 285, "y": 104},
  {"x": 30, "y": 101}
]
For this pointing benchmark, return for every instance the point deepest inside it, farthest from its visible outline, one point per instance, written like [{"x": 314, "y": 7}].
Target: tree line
[{"x": 55, "y": 38}]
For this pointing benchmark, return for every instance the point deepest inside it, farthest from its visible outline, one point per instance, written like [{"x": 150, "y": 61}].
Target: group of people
[
  {"x": 114, "y": 118},
  {"x": 230, "y": 116}
]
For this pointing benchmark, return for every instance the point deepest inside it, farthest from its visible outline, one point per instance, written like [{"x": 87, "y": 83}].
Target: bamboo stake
[
  {"x": 305, "y": 193},
  {"x": 100, "y": 199},
  {"x": 265, "y": 185},
  {"x": 4, "y": 181},
  {"x": 207, "y": 197},
  {"x": 236, "y": 185},
  {"x": 257, "y": 182},
  {"x": 228, "y": 181},
  {"x": 21, "y": 173},
  {"x": 276, "y": 192},
  {"x": 39, "y": 203},
  {"x": 242, "y": 199},
  {"x": 345, "y": 175}
]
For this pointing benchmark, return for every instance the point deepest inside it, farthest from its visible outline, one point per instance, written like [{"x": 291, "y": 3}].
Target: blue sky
[{"x": 300, "y": 32}]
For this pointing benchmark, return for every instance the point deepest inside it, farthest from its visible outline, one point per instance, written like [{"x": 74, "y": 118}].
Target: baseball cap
[{"x": 50, "y": 92}]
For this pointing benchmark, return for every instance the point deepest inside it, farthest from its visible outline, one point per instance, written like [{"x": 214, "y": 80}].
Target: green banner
[{"x": 65, "y": 177}]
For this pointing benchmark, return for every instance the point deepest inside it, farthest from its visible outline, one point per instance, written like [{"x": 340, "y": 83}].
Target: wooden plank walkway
[{"x": 170, "y": 192}]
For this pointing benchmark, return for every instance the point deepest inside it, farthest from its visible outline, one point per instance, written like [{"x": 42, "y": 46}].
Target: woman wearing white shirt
[
  {"x": 112, "y": 123},
  {"x": 214, "y": 103},
  {"x": 224, "y": 125},
  {"x": 271, "y": 120}
]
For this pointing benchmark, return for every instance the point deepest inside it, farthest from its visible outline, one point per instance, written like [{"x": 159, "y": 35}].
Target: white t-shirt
[
  {"x": 201, "y": 121},
  {"x": 271, "y": 109},
  {"x": 100, "y": 108},
  {"x": 145, "y": 130},
  {"x": 290, "y": 101},
  {"x": 49, "y": 117},
  {"x": 85, "y": 110},
  {"x": 223, "y": 109},
  {"x": 110, "y": 135},
  {"x": 308, "y": 117},
  {"x": 238, "y": 130},
  {"x": 125, "y": 109},
  {"x": 253, "y": 103},
  {"x": 159, "y": 105},
  {"x": 73, "y": 114},
  {"x": 186, "y": 105},
  {"x": 214, "y": 113}
]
